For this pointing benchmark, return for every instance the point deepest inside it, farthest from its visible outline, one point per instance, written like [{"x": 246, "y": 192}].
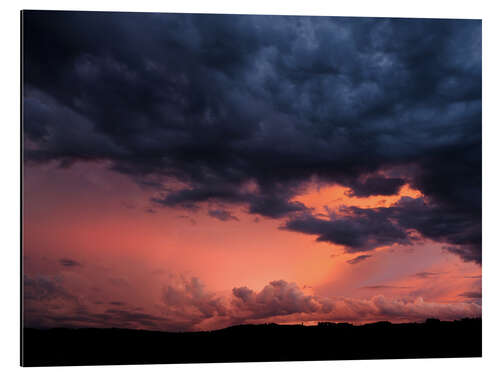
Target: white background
[{"x": 10, "y": 177}]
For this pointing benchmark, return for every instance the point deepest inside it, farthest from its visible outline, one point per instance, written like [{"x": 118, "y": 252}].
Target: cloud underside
[
  {"x": 187, "y": 306},
  {"x": 245, "y": 110},
  {"x": 362, "y": 230}
]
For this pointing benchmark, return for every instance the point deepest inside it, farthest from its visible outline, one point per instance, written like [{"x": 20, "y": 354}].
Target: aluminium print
[{"x": 224, "y": 188}]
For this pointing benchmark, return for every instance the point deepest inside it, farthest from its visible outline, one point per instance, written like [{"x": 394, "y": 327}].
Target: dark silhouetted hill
[{"x": 250, "y": 343}]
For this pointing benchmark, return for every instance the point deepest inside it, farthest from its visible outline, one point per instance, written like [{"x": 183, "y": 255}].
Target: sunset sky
[{"x": 192, "y": 172}]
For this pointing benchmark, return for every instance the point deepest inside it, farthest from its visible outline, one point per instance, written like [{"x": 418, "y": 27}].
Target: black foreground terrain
[{"x": 251, "y": 343}]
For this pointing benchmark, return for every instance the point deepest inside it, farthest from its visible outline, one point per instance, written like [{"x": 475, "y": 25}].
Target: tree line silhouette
[{"x": 251, "y": 343}]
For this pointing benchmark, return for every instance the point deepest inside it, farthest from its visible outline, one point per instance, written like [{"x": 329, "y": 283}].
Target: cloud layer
[
  {"x": 360, "y": 230},
  {"x": 186, "y": 305},
  {"x": 245, "y": 110}
]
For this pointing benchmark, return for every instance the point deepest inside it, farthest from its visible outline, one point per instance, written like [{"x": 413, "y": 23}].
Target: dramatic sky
[{"x": 188, "y": 172}]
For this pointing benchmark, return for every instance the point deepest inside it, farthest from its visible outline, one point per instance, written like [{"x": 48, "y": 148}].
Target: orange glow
[
  {"x": 129, "y": 253},
  {"x": 334, "y": 196}
]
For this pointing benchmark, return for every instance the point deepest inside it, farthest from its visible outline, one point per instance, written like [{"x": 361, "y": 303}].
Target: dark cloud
[
  {"x": 385, "y": 287},
  {"x": 377, "y": 185},
  {"x": 220, "y": 103},
  {"x": 471, "y": 295},
  {"x": 44, "y": 288},
  {"x": 358, "y": 259},
  {"x": 117, "y": 318},
  {"x": 425, "y": 275},
  {"x": 361, "y": 229},
  {"x": 441, "y": 223},
  {"x": 222, "y": 215},
  {"x": 70, "y": 263},
  {"x": 183, "y": 305},
  {"x": 358, "y": 230},
  {"x": 274, "y": 204},
  {"x": 46, "y": 297}
]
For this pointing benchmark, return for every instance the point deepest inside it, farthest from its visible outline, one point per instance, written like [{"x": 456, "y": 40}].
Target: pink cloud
[{"x": 186, "y": 305}]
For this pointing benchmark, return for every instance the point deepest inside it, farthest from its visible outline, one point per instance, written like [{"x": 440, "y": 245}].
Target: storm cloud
[
  {"x": 358, "y": 259},
  {"x": 246, "y": 110},
  {"x": 361, "y": 229},
  {"x": 222, "y": 215},
  {"x": 69, "y": 263}
]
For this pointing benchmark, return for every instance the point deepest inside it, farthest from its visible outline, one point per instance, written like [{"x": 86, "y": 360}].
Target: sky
[{"x": 192, "y": 172}]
